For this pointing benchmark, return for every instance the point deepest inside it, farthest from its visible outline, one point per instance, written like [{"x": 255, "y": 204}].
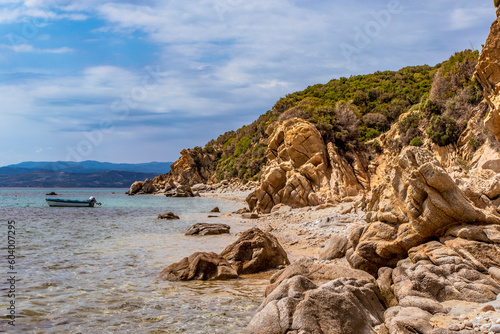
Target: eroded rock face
[
  {"x": 303, "y": 171},
  {"x": 135, "y": 187},
  {"x": 255, "y": 251},
  {"x": 199, "y": 266},
  {"x": 488, "y": 75},
  {"x": 297, "y": 305},
  {"x": 419, "y": 201}
]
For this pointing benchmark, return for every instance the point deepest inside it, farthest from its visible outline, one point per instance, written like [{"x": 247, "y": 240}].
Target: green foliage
[
  {"x": 242, "y": 146},
  {"x": 416, "y": 142},
  {"x": 443, "y": 130},
  {"x": 409, "y": 122}
]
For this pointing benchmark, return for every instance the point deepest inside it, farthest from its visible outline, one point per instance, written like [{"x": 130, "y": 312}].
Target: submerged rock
[{"x": 168, "y": 216}]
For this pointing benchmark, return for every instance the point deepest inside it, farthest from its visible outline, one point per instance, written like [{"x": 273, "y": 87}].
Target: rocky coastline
[{"x": 384, "y": 239}]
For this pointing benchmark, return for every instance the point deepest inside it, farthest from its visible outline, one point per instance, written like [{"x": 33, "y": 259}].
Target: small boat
[{"x": 72, "y": 203}]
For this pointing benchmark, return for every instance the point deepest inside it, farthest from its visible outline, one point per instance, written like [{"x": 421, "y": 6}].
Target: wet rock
[
  {"x": 199, "y": 266},
  {"x": 297, "y": 305},
  {"x": 168, "y": 216},
  {"x": 208, "y": 229},
  {"x": 255, "y": 251}
]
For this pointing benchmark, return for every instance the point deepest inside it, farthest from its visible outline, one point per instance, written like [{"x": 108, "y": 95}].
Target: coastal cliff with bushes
[{"x": 414, "y": 156}]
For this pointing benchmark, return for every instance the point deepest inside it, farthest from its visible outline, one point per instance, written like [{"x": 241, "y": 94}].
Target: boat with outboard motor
[{"x": 57, "y": 202}]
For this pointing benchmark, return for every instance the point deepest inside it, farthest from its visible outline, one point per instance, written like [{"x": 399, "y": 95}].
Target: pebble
[
  {"x": 487, "y": 308},
  {"x": 454, "y": 327},
  {"x": 495, "y": 328}
]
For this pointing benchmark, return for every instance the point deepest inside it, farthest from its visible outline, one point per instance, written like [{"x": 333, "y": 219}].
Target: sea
[{"x": 94, "y": 270}]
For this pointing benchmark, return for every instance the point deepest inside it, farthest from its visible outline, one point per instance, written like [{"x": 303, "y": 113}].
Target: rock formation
[
  {"x": 297, "y": 305},
  {"x": 255, "y": 251},
  {"x": 208, "y": 229},
  {"x": 199, "y": 266},
  {"x": 168, "y": 216},
  {"x": 303, "y": 170}
]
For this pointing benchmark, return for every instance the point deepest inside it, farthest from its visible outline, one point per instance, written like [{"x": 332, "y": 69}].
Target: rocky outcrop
[
  {"x": 297, "y": 305},
  {"x": 304, "y": 171},
  {"x": 335, "y": 248},
  {"x": 208, "y": 229},
  {"x": 199, "y": 266},
  {"x": 418, "y": 202},
  {"x": 488, "y": 75},
  {"x": 255, "y": 251},
  {"x": 135, "y": 187},
  {"x": 181, "y": 191}
]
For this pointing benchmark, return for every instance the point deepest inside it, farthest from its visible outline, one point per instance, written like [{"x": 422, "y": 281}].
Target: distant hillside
[
  {"x": 85, "y": 167},
  {"x": 55, "y": 179}
]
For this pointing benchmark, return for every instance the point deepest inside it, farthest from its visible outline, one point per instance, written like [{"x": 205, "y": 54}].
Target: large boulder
[
  {"x": 168, "y": 216},
  {"x": 418, "y": 202},
  {"x": 181, "y": 191},
  {"x": 318, "y": 273},
  {"x": 297, "y": 305},
  {"x": 255, "y": 251},
  {"x": 199, "y": 266},
  {"x": 135, "y": 187},
  {"x": 208, "y": 229}
]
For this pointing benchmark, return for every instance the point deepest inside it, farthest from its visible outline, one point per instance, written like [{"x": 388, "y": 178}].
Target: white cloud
[{"x": 27, "y": 48}]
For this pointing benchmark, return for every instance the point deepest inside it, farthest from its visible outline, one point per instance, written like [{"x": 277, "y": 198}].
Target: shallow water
[{"x": 93, "y": 270}]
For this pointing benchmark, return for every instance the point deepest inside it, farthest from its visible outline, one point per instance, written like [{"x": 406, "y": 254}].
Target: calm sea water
[{"x": 93, "y": 270}]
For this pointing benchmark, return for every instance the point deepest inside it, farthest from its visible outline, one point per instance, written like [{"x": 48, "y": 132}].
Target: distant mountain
[
  {"x": 56, "y": 179},
  {"x": 88, "y": 166}
]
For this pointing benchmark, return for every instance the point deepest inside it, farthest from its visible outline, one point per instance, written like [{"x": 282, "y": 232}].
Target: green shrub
[
  {"x": 416, "y": 142},
  {"x": 442, "y": 130}
]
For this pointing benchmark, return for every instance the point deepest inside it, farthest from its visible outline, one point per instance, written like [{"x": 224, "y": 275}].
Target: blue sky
[{"x": 137, "y": 81}]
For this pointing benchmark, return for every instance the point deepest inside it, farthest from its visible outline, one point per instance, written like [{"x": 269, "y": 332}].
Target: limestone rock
[
  {"x": 181, "y": 191},
  {"x": 168, "y": 216},
  {"x": 297, "y": 305},
  {"x": 335, "y": 248},
  {"x": 419, "y": 201},
  {"x": 208, "y": 229},
  {"x": 199, "y": 266},
  {"x": 316, "y": 272},
  {"x": 255, "y": 251}
]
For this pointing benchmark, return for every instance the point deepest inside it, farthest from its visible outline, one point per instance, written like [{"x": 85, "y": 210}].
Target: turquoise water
[{"x": 93, "y": 270}]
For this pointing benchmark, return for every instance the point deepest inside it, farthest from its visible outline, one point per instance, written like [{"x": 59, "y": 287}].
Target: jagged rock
[
  {"x": 255, "y": 251},
  {"x": 199, "y": 266},
  {"x": 148, "y": 186},
  {"x": 297, "y": 305},
  {"x": 335, "y": 248},
  {"x": 216, "y": 210},
  {"x": 419, "y": 201},
  {"x": 135, "y": 187},
  {"x": 298, "y": 166},
  {"x": 317, "y": 272},
  {"x": 208, "y": 229},
  {"x": 488, "y": 75},
  {"x": 199, "y": 187},
  {"x": 168, "y": 216},
  {"x": 385, "y": 285}
]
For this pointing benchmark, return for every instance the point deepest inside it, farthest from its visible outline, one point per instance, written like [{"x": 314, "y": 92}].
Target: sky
[{"x": 137, "y": 81}]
